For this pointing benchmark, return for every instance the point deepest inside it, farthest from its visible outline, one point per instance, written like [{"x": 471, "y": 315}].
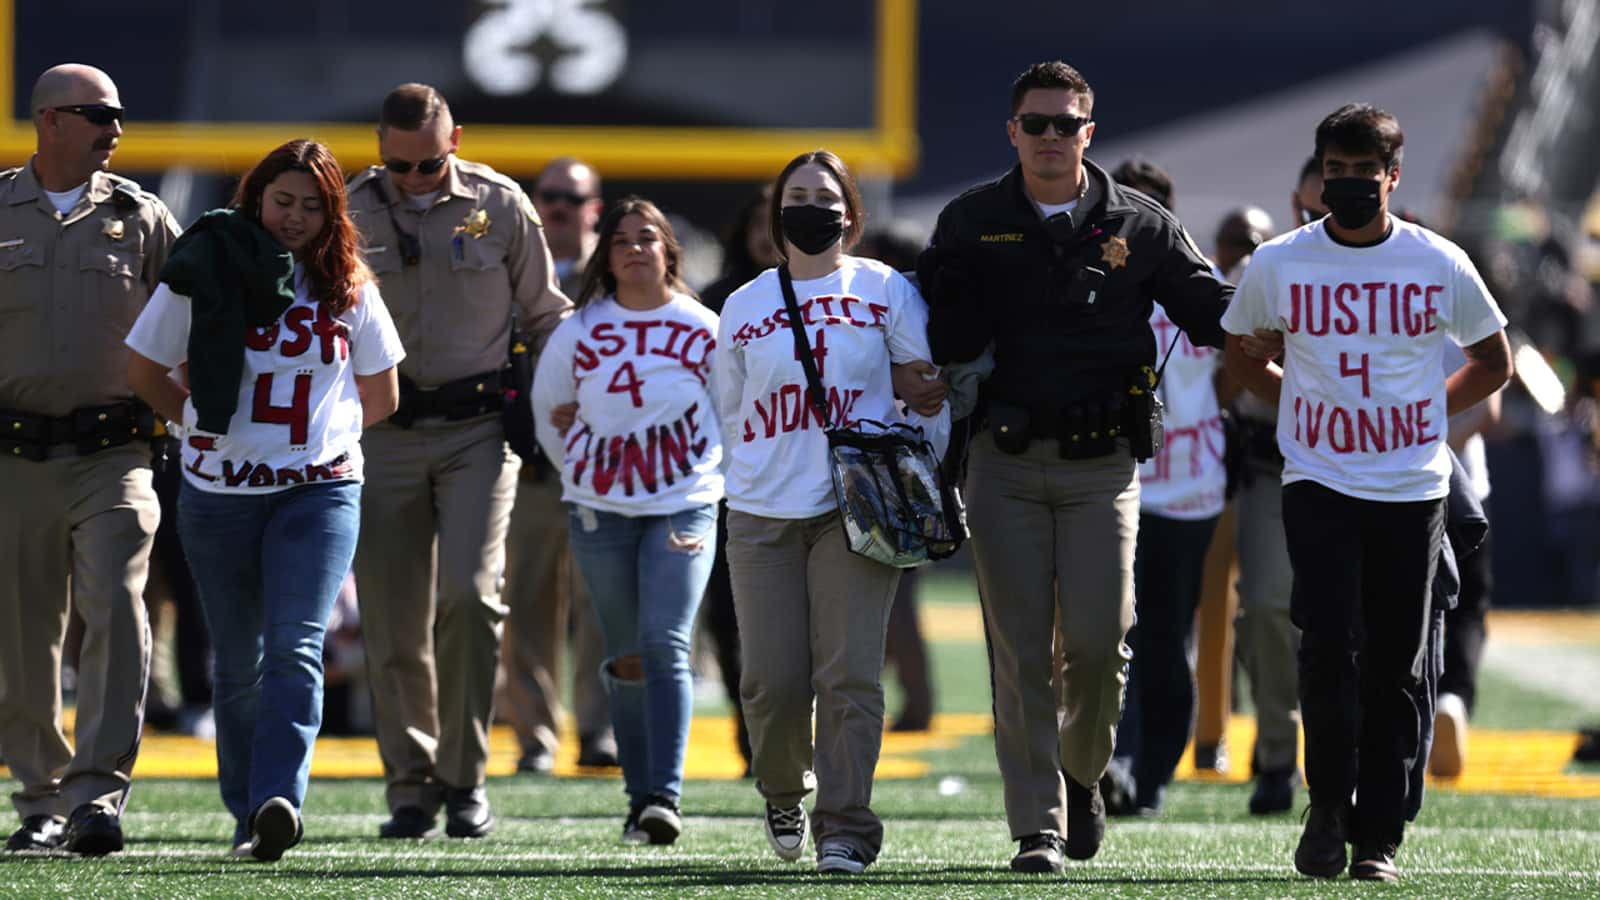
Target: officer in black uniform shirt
[{"x": 1053, "y": 269}]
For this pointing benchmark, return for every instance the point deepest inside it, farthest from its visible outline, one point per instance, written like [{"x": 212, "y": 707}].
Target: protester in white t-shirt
[
  {"x": 273, "y": 315},
  {"x": 1365, "y": 302},
  {"x": 623, "y": 403},
  {"x": 812, "y": 615}
]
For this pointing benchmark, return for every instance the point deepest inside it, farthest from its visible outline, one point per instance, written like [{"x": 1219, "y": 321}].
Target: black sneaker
[
  {"x": 1086, "y": 820},
  {"x": 93, "y": 831},
  {"x": 274, "y": 828},
  {"x": 1212, "y": 757},
  {"x": 1321, "y": 853},
  {"x": 38, "y": 833},
  {"x": 597, "y": 751},
  {"x": 467, "y": 812},
  {"x": 660, "y": 819},
  {"x": 1374, "y": 862},
  {"x": 1040, "y": 854},
  {"x": 836, "y": 857},
  {"x": 786, "y": 831},
  {"x": 1274, "y": 793},
  {"x": 407, "y": 822},
  {"x": 631, "y": 832},
  {"x": 536, "y": 762}
]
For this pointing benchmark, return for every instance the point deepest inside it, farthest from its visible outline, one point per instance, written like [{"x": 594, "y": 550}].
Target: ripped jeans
[{"x": 647, "y": 575}]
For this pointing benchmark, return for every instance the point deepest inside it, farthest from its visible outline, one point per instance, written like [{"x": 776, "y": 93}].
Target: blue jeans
[
  {"x": 268, "y": 568},
  {"x": 647, "y": 575}
]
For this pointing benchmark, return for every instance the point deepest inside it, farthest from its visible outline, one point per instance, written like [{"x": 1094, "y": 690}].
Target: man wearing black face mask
[
  {"x": 1054, "y": 268},
  {"x": 1365, "y": 302}
]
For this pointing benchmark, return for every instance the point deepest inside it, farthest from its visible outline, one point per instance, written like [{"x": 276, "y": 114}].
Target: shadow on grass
[{"x": 693, "y": 875}]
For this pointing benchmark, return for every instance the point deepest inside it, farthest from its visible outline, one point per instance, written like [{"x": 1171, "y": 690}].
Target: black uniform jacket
[{"x": 1067, "y": 311}]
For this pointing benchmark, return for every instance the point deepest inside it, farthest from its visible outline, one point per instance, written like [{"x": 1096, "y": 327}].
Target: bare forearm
[
  {"x": 154, "y": 386},
  {"x": 1260, "y": 377},
  {"x": 1487, "y": 370},
  {"x": 380, "y": 396}
]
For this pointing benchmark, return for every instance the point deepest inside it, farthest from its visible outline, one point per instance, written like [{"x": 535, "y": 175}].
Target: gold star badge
[
  {"x": 1114, "y": 252},
  {"x": 475, "y": 225},
  {"x": 111, "y": 228}
]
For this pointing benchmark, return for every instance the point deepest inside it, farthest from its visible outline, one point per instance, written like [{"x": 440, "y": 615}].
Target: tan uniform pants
[
  {"x": 544, "y": 589},
  {"x": 87, "y": 522},
  {"x": 1053, "y": 537},
  {"x": 813, "y": 618},
  {"x": 439, "y": 491},
  {"x": 1269, "y": 643}
]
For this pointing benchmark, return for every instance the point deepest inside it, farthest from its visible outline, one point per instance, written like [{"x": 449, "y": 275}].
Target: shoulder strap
[
  {"x": 1170, "y": 347},
  {"x": 802, "y": 347}
]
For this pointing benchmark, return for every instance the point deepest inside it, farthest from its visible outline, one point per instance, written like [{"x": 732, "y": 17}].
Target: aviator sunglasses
[
  {"x": 425, "y": 167},
  {"x": 97, "y": 113},
  {"x": 1034, "y": 123}
]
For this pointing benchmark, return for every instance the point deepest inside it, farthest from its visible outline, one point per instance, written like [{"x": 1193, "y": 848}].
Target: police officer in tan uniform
[
  {"x": 457, "y": 248},
  {"x": 80, "y": 252},
  {"x": 543, "y": 588}
]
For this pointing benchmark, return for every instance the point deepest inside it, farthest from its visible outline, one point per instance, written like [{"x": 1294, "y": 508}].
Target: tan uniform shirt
[
  {"x": 483, "y": 255},
  {"x": 70, "y": 288}
]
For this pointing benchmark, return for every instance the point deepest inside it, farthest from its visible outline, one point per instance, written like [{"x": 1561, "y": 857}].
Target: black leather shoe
[
  {"x": 537, "y": 762},
  {"x": 1118, "y": 791},
  {"x": 1040, "y": 854},
  {"x": 39, "y": 832},
  {"x": 1274, "y": 793},
  {"x": 407, "y": 822},
  {"x": 1374, "y": 862},
  {"x": 467, "y": 812},
  {"x": 1086, "y": 820},
  {"x": 92, "y": 831},
  {"x": 1321, "y": 852}
]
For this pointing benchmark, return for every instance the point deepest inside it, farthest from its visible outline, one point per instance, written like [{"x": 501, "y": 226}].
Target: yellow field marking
[
  {"x": 1500, "y": 762},
  {"x": 957, "y": 623}
]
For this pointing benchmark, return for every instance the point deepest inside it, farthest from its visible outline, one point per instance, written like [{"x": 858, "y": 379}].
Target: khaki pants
[
  {"x": 1053, "y": 536},
  {"x": 813, "y": 618},
  {"x": 1269, "y": 643},
  {"x": 543, "y": 589},
  {"x": 87, "y": 522},
  {"x": 441, "y": 490}
]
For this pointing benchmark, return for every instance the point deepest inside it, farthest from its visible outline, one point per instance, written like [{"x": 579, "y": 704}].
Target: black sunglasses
[
  {"x": 426, "y": 167},
  {"x": 97, "y": 113},
  {"x": 1034, "y": 123},
  {"x": 551, "y": 197}
]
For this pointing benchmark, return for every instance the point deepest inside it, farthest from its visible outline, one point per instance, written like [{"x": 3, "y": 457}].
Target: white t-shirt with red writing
[
  {"x": 858, "y": 320},
  {"x": 1186, "y": 479},
  {"x": 298, "y": 420},
  {"x": 646, "y": 440},
  {"x": 1363, "y": 404}
]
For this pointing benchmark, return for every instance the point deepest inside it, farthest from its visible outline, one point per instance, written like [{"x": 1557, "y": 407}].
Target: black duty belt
[
  {"x": 464, "y": 398},
  {"x": 88, "y": 429}
]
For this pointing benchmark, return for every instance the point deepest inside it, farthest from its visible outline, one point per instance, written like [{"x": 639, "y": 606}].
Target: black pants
[
  {"x": 1158, "y": 711},
  {"x": 1464, "y": 628},
  {"x": 1362, "y": 577},
  {"x": 193, "y": 650}
]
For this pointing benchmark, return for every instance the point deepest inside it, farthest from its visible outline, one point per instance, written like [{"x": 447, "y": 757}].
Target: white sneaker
[
  {"x": 1449, "y": 755},
  {"x": 786, "y": 831},
  {"x": 838, "y": 857},
  {"x": 242, "y": 850}
]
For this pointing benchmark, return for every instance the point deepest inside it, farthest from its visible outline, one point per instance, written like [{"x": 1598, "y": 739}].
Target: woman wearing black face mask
[{"x": 812, "y": 615}]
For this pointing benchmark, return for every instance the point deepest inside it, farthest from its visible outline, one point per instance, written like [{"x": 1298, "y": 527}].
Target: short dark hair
[
  {"x": 1362, "y": 128},
  {"x": 1053, "y": 74},
  {"x": 847, "y": 185},
  {"x": 1146, "y": 177},
  {"x": 411, "y": 106}
]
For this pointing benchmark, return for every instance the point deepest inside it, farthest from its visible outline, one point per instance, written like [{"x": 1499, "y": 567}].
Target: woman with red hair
[{"x": 287, "y": 352}]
